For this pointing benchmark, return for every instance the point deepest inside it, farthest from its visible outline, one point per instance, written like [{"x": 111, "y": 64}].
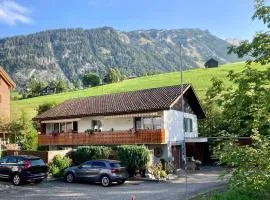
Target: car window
[
  {"x": 36, "y": 162},
  {"x": 98, "y": 164},
  {"x": 12, "y": 159},
  {"x": 3, "y": 160},
  {"x": 20, "y": 160},
  {"x": 115, "y": 165},
  {"x": 87, "y": 164}
]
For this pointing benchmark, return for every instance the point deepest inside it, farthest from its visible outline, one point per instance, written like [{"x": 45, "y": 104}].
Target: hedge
[
  {"x": 91, "y": 153},
  {"x": 133, "y": 157}
]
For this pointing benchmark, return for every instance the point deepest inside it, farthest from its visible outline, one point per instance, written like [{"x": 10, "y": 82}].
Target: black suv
[{"x": 23, "y": 168}]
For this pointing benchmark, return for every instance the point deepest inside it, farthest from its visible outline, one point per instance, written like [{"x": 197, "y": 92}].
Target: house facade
[
  {"x": 6, "y": 84},
  {"x": 153, "y": 117}
]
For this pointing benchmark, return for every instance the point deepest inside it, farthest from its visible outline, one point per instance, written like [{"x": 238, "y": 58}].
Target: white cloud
[{"x": 12, "y": 12}]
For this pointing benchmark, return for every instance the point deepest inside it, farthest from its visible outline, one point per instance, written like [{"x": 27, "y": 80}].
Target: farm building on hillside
[
  {"x": 211, "y": 63},
  {"x": 50, "y": 89}
]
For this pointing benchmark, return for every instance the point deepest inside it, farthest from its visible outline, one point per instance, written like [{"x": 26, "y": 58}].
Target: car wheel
[
  {"x": 121, "y": 181},
  {"x": 105, "y": 181},
  {"x": 16, "y": 180},
  {"x": 70, "y": 177}
]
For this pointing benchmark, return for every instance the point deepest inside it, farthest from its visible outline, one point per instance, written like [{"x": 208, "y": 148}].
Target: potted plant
[{"x": 89, "y": 131}]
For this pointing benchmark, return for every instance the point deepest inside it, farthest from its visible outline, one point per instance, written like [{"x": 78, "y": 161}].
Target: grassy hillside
[{"x": 199, "y": 78}]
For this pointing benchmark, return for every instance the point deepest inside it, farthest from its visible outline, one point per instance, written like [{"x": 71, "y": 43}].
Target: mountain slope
[
  {"x": 69, "y": 53},
  {"x": 199, "y": 78}
]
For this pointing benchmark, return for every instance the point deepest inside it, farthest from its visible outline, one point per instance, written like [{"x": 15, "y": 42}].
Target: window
[
  {"x": 115, "y": 165},
  {"x": 147, "y": 123},
  {"x": 87, "y": 164},
  {"x": 75, "y": 126},
  {"x": 37, "y": 162},
  {"x": 96, "y": 125},
  {"x": 62, "y": 127},
  {"x": 69, "y": 127},
  {"x": 56, "y": 127},
  {"x": 98, "y": 164},
  {"x": 138, "y": 123},
  {"x": 12, "y": 159},
  {"x": 157, "y": 122},
  {"x": 188, "y": 126},
  {"x": 3, "y": 160}
]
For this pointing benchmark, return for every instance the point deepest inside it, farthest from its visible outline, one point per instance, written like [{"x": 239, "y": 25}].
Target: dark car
[
  {"x": 103, "y": 171},
  {"x": 23, "y": 168}
]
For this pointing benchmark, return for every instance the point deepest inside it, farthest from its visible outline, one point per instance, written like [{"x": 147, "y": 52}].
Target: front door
[{"x": 176, "y": 153}]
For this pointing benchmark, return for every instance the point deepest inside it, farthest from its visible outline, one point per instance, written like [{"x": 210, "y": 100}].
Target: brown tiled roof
[
  {"x": 7, "y": 78},
  {"x": 148, "y": 100}
]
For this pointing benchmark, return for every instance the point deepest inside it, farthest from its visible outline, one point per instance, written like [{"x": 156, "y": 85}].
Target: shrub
[
  {"x": 90, "y": 153},
  {"x": 133, "y": 157},
  {"x": 158, "y": 171},
  {"x": 235, "y": 195},
  {"x": 45, "y": 107},
  {"x": 250, "y": 165},
  {"x": 58, "y": 165}
]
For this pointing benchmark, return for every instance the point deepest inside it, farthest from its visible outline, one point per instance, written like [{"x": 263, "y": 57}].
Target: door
[
  {"x": 98, "y": 168},
  {"x": 3, "y": 166},
  {"x": 176, "y": 151},
  {"x": 83, "y": 170},
  {"x": 8, "y": 165}
]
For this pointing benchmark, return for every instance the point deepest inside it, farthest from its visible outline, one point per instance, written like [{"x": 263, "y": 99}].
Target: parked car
[
  {"x": 23, "y": 168},
  {"x": 103, "y": 171}
]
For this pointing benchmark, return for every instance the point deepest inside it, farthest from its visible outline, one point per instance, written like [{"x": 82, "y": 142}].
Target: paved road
[{"x": 175, "y": 189}]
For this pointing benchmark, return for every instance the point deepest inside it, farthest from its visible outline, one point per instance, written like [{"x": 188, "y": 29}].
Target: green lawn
[{"x": 199, "y": 78}]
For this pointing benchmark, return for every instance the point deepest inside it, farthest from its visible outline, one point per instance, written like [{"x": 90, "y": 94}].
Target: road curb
[{"x": 146, "y": 179}]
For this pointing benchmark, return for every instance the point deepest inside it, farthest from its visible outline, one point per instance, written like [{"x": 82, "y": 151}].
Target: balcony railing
[{"x": 105, "y": 138}]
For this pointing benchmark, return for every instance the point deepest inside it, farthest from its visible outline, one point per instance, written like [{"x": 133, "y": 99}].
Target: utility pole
[{"x": 183, "y": 149}]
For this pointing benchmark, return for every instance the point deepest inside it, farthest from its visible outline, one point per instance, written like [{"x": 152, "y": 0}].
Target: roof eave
[
  {"x": 7, "y": 79},
  {"x": 98, "y": 114}
]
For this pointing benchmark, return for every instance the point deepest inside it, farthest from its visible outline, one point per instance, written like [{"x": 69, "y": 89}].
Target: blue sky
[{"x": 223, "y": 18}]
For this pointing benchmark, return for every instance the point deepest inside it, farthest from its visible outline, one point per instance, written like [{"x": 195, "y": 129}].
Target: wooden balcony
[{"x": 105, "y": 138}]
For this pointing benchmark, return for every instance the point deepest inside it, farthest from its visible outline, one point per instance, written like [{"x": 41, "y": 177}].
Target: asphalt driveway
[{"x": 174, "y": 189}]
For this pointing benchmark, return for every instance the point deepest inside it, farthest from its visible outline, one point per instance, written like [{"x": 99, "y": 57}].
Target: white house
[{"x": 152, "y": 117}]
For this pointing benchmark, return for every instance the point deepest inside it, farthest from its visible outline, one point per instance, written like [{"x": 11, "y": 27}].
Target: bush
[
  {"x": 133, "y": 157},
  {"x": 235, "y": 195},
  {"x": 158, "y": 170},
  {"x": 90, "y": 153},
  {"x": 58, "y": 165},
  {"x": 45, "y": 107}
]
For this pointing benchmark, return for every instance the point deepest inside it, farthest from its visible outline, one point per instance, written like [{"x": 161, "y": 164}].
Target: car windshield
[
  {"x": 37, "y": 162},
  {"x": 115, "y": 165}
]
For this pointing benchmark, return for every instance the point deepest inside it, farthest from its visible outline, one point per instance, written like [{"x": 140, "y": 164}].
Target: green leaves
[
  {"x": 91, "y": 79},
  {"x": 133, "y": 157},
  {"x": 58, "y": 165},
  {"x": 250, "y": 164},
  {"x": 91, "y": 152},
  {"x": 259, "y": 48},
  {"x": 242, "y": 110}
]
